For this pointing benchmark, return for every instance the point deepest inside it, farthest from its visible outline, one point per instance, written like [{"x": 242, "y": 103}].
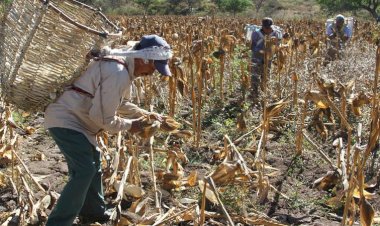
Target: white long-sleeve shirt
[{"x": 109, "y": 82}]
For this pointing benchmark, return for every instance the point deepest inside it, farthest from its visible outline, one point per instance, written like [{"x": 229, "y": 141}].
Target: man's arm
[
  {"x": 256, "y": 39},
  {"x": 277, "y": 37},
  {"x": 131, "y": 111},
  {"x": 331, "y": 34},
  {"x": 108, "y": 96},
  {"x": 253, "y": 40},
  {"x": 346, "y": 34}
]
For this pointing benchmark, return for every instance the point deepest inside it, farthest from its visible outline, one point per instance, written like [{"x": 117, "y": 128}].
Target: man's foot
[{"x": 101, "y": 218}]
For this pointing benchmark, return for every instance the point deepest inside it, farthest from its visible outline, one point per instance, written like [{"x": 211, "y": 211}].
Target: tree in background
[
  {"x": 234, "y": 6},
  {"x": 3, "y": 5},
  {"x": 182, "y": 7},
  {"x": 146, "y": 4},
  {"x": 338, "y": 5},
  {"x": 258, "y": 4},
  {"x": 209, "y": 7},
  {"x": 193, "y": 4}
]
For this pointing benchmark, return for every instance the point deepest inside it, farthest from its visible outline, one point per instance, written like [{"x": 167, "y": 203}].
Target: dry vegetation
[{"x": 306, "y": 155}]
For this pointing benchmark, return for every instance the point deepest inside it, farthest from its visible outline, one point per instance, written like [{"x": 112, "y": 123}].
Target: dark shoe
[{"x": 101, "y": 218}]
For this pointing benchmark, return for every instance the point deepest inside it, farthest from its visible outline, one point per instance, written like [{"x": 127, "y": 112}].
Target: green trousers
[{"x": 83, "y": 193}]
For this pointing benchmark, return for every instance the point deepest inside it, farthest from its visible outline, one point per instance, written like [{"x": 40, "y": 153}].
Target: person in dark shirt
[{"x": 257, "y": 48}]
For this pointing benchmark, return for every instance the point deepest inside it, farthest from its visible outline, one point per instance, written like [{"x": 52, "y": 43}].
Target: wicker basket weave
[{"x": 43, "y": 45}]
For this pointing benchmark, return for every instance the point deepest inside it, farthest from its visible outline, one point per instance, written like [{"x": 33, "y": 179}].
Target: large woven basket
[{"x": 43, "y": 47}]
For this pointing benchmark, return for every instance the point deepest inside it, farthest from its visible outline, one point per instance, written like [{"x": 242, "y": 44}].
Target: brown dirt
[{"x": 304, "y": 206}]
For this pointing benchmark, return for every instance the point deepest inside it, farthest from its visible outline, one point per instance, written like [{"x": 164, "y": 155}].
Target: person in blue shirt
[
  {"x": 338, "y": 34},
  {"x": 257, "y": 48},
  {"x": 338, "y": 29}
]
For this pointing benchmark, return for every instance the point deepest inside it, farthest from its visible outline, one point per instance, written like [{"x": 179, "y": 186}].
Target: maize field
[{"x": 307, "y": 154}]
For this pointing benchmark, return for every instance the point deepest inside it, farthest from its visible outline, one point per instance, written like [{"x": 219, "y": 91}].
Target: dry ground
[{"x": 291, "y": 201}]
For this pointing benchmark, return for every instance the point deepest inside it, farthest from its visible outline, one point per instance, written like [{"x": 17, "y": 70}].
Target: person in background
[
  {"x": 90, "y": 105},
  {"x": 338, "y": 29},
  {"x": 257, "y": 48},
  {"x": 337, "y": 34}
]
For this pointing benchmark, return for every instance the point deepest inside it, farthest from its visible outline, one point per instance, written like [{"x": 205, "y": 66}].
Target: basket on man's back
[{"x": 43, "y": 50}]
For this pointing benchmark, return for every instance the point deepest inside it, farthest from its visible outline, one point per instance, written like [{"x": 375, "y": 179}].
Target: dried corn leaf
[
  {"x": 327, "y": 87},
  {"x": 160, "y": 174},
  {"x": 3, "y": 180},
  {"x": 104, "y": 139},
  {"x": 376, "y": 219},
  {"x": 320, "y": 127},
  {"x": 133, "y": 191},
  {"x": 358, "y": 102},
  {"x": 367, "y": 213},
  {"x": 356, "y": 110},
  {"x": 262, "y": 221},
  {"x": 335, "y": 202},
  {"x": 39, "y": 156},
  {"x": 44, "y": 203},
  {"x": 366, "y": 194},
  {"x": 328, "y": 181},
  {"x": 191, "y": 180},
  {"x": 171, "y": 159},
  {"x": 295, "y": 77},
  {"x": 130, "y": 190},
  {"x": 242, "y": 178},
  {"x": 25, "y": 114},
  {"x": 4, "y": 148},
  {"x": 351, "y": 212},
  {"x": 181, "y": 155},
  {"x": 241, "y": 125},
  {"x": 316, "y": 97},
  {"x": 182, "y": 87},
  {"x": 149, "y": 220},
  {"x": 186, "y": 134},
  {"x": 139, "y": 206},
  {"x": 169, "y": 124},
  {"x": 316, "y": 51},
  {"x": 187, "y": 216},
  {"x": 274, "y": 174},
  {"x": 187, "y": 201},
  {"x": 219, "y": 154},
  {"x": 123, "y": 221},
  {"x": 275, "y": 108},
  {"x": 149, "y": 127},
  {"x": 210, "y": 195},
  {"x": 178, "y": 170},
  {"x": 171, "y": 181},
  {"x": 6, "y": 157},
  {"x": 263, "y": 190},
  {"x": 350, "y": 85},
  {"x": 225, "y": 173},
  {"x": 370, "y": 186},
  {"x": 29, "y": 130},
  {"x": 327, "y": 112},
  {"x": 361, "y": 100}
]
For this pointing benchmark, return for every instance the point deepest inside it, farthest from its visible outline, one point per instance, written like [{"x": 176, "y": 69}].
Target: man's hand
[
  {"x": 144, "y": 127},
  {"x": 332, "y": 36}
]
